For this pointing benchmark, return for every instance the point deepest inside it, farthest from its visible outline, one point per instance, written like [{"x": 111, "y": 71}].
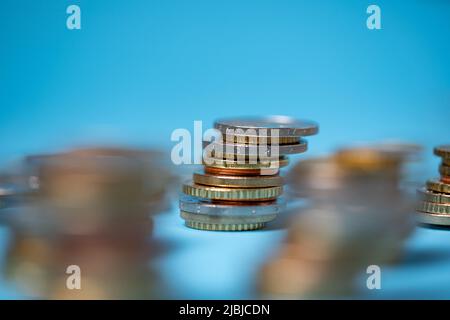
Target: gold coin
[
  {"x": 436, "y": 208},
  {"x": 237, "y": 181},
  {"x": 444, "y": 170},
  {"x": 436, "y": 219},
  {"x": 224, "y": 227},
  {"x": 431, "y": 196},
  {"x": 443, "y": 151},
  {"x": 248, "y": 163},
  {"x": 232, "y": 194},
  {"x": 250, "y": 139},
  {"x": 438, "y": 186},
  {"x": 364, "y": 158}
]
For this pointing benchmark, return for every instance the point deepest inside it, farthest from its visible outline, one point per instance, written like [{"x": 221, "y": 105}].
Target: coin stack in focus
[
  {"x": 240, "y": 185},
  {"x": 434, "y": 207},
  {"x": 357, "y": 216}
]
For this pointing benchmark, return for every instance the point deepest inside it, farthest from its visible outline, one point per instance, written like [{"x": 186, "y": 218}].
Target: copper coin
[{"x": 240, "y": 172}]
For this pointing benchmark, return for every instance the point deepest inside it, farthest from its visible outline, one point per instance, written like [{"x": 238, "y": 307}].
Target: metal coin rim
[
  {"x": 292, "y": 127},
  {"x": 233, "y": 194},
  {"x": 438, "y": 186},
  {"x": 229, "y": 181},
  {"x": 283, "y": 149},
  {"x": 432, "y": 196},
  {"x": 233, "y": 164},
  {"x": 223, "y": 227},
  {"x": 222, "y": 220},
  {"x": 442, "y": 151},
  {"x": 444, "y": 170},
  {"x": 435, "y": 219},
  {"x": 197, "y": 206},
  {"x": 435, "y": 208}
]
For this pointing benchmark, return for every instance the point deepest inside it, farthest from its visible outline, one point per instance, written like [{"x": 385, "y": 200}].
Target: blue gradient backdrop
[{"x": 139, "y": 69}]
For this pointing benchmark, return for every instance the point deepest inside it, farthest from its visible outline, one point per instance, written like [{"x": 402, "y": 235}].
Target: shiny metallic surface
[
  {"x": 287, "y": 126},
  {"x": 233, "y": 194},
  {"x": 431, "y": 196},
  {"x": 228, "y": 150},
  {"x": 229, "y": 181},
  {"x": 213, "y": 208}
]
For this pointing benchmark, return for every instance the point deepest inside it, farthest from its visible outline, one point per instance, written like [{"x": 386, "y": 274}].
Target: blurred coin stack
[
  {"x": 87, "y": 208},
  {"x": 434, "y": 206},
  {"x": 357, "y": 216},
  {"x": 240, "y": 185}
]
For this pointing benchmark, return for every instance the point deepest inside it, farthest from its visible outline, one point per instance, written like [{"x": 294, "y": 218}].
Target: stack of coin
[
  {"x": 357, "y": 216},
  {"x": 88, "y": 208},
  {"x": 240, "y": 185},
  {"x": 434, "y": 207}
]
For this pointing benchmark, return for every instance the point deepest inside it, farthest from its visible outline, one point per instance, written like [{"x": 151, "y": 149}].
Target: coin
[
  {"x": 444, "y": 170},
  {"x": 258, "y": 139},
  {"x": 399, "y": 148},
  {"x": 445, "y": 179},
  {"x": 225, "y": 223},
  {"x": 430, "y": 207},
  {"x": 442, "y": 151},
  {"x": 233, "y": 194},
  {"x": 248, "y": 164},
  {"x": 435, "y": 219},
  {"x": 237, "y": 181},
  {"x": 287, "y": 126},
  {"x": 212, "y": 208},
  {"x": 438, "y": 186},
  {"x": 430, "y": 196},
  {"x": 218, "y": 219},
  {"x": 241, "y": 172},
  {"x": 233, "y": 150},
  {"x": 366, "y": 158},
  {"x": 224, "y": 227}
]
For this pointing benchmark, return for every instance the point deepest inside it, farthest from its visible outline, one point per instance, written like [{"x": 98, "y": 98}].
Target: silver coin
[
  {"x": 287, "y": 126},
  {"x": 435, "y": 219},
  {"x": 206, "y": 207},
  {"x": 221, "y": 149}
]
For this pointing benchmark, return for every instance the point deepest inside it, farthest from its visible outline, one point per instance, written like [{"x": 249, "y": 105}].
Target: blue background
[{"x": 139, "y": 69}]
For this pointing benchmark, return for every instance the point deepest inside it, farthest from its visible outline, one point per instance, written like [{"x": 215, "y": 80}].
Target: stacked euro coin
[
  {"x": 434, "y": 206},
  {"x": 240, "y": 186}
]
